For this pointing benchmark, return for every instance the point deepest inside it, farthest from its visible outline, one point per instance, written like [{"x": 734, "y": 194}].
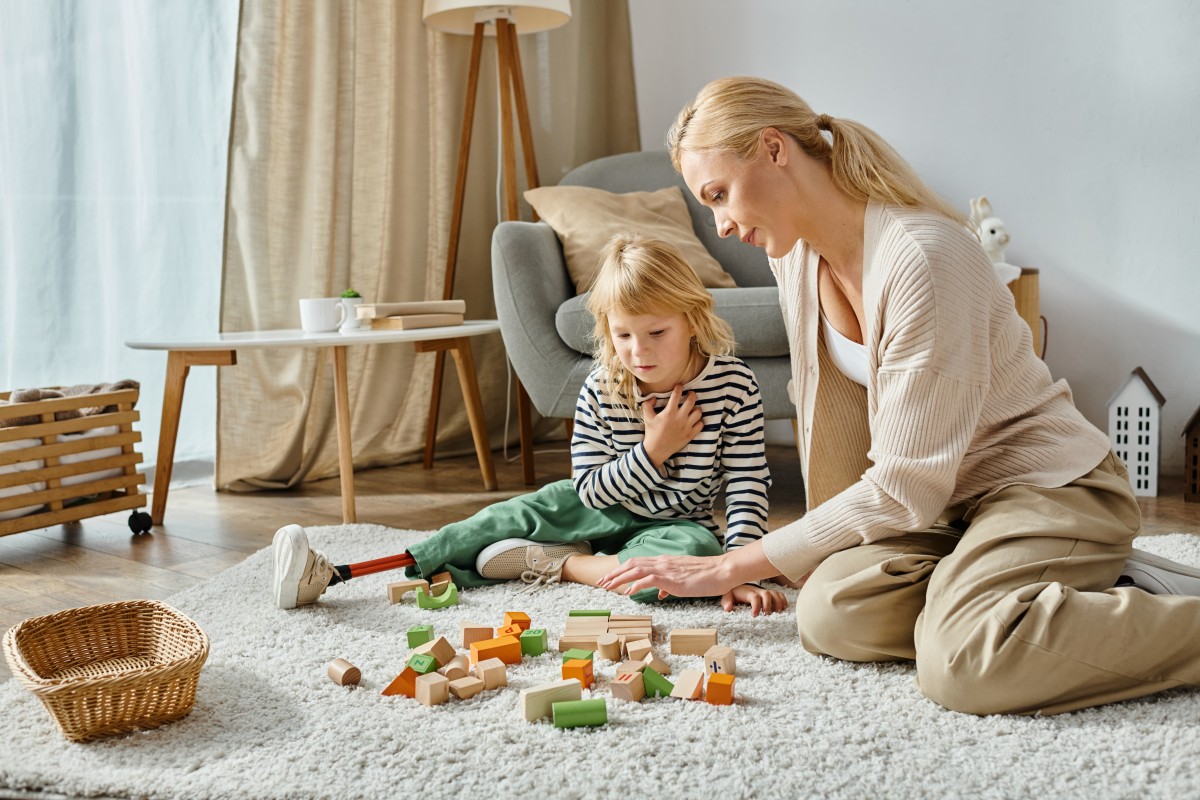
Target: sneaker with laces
[
  {"x": 534, "y": 563},
  {"x": 301, "y": 574},
  {"x": 1158, "y": 575}
]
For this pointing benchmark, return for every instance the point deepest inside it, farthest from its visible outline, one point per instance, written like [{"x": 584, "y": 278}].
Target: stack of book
[{"x": 412, "y": 315}]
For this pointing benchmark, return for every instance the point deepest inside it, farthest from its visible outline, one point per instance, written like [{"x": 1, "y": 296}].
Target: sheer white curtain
[{"x": 114, "y": 130}]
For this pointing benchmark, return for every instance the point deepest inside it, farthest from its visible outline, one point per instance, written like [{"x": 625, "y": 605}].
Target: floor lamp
[{"x": 503, "y": 22}]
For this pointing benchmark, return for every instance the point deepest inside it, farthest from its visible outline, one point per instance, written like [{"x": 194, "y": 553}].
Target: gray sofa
[{"x": 546, "y": 328}]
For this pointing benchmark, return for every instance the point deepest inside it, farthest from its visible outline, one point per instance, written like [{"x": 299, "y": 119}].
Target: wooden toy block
[
  {"x": 441, "y": 650},
  {"x": 591, "y": 612},
  {"x": 466, "y": 687},
  {"x": 432, "y": 689},
  {"x": 646, "y": 618},
  {"x": 609, "y": 647},
  {"x": 720, "y": 659},
  {"x": 581, "y": 670},
  {"x": 534, "y": 642},
  {"x": 638, "y": 650},
  {"x": 473, "y": 632},
  {"x": 571, "y": 641},
  {"x": 577, "y": 652},
  {"x": 441, "y": 577},
  {"x": 405, "y": 683},
  {"x": 720, "y": 689},
  {"x": 492, "y": 672},
  {"x": 586, "y": 630},
  {"x": 343, "y": 673},
  {"x": 579, "y": 713},
  {"x": 628, "y": 686},
  {"x": 445, "y": 599},
  {"x": 419, "y": 635},
  {"x": 689, "y": 684},
  {"x": 656, "y": 685},
  {"x": 538, "y": 701},
  {"x": 509, "y": 630},
  {"x": 455, "y": 668},
  {"x": 630, "y": 666},
  {"x": 397, "y": 590},
  {"x": 692, "y": 641},
  {"x": 506, "y": 648},
  {"x": 423, "y": 663},
  {"x": 437, "y": 589},
  {"x": 517, "y": 618},
  {"x": 655, "y": 663}
]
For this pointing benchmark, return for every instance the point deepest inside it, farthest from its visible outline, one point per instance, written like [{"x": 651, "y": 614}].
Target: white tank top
[{"x": 848, "y": 356}]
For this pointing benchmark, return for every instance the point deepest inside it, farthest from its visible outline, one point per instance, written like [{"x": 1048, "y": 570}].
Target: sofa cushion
[
  {"x": 752, "y": 312},
  {"x": 585, "y": 219}
]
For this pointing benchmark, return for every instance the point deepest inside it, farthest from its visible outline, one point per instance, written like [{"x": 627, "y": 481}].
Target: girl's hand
[
  {"x": 668, "y": 431},
  {"x": 766, "y": 601},
  {"x": 682, "y": 576}
]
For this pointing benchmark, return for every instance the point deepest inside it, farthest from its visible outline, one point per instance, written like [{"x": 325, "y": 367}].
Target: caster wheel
[{"x": 140, "y": 522}]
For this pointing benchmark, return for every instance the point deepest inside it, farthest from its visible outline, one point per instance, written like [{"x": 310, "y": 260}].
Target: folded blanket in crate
[
  {"x": 33, "y": 395},
  {"x": 70, "y": 458}
]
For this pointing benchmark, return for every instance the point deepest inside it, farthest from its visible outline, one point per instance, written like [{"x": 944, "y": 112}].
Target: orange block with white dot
[
  {"x": 720, "y": 689},
  {"x": 581, "y": 670}
]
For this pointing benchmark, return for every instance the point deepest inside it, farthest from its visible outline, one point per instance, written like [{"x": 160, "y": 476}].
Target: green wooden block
[
  {"x": 656, "y": 685},
  {"x": 423, "y": 663},
  {"x": 577, "y": 652},
  {"x": 533, "y": 642},
  {"x": 419, "y": 635},
  {"x": 591, "y": 612},
  {"x": 444, "y": 600},
  {"x": 577, "y": 713}
]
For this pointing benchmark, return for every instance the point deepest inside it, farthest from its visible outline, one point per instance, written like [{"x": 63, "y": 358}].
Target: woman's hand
[
  {"x": 766, "y": 601},
  {"x": 668, "y": 431},
  {"x": 682, "y": 576}
]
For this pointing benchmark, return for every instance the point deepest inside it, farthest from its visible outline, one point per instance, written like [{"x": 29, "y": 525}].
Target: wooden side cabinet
[{"x": 1025, "y": 293}]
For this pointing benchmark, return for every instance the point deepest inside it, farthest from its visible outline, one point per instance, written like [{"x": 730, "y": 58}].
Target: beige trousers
[{"x": 1009, "y": 607}]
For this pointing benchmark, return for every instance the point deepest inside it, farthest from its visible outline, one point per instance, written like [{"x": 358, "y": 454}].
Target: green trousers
[{"x": 555, "y": 514}]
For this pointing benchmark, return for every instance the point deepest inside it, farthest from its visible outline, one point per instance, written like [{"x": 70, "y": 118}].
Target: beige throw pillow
[{"x": 585, "y": 219}]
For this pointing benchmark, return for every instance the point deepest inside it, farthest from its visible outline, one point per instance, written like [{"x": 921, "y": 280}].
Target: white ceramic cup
[
  {"x": 321, "y": 314},
  {"x": 350, "y": 314}
]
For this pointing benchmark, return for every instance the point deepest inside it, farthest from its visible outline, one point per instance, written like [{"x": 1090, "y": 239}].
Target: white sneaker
[
  {"x": 534, "y": 563},
  {"x": 301, "y": 574},
  {"x": 1158, "y": 575}
]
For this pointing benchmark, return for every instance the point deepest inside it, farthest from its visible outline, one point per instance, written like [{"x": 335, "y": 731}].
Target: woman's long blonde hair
[
  {"x": 731, "y": 113},
  {"x": 639, "y": 275}
]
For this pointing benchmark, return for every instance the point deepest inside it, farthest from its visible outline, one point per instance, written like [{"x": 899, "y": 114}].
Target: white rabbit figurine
[{"x": 994, "y": 238}]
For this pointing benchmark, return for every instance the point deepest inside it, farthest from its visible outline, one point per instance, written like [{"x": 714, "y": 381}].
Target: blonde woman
[
  {"x": 962, "y": 512},
  {"x": 667, "y": 420}
]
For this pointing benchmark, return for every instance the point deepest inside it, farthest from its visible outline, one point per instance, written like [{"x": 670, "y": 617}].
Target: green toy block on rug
[
  {"x": 577, "y": 652},
  {"x": 591, "y": 612},
  {"x": 423, "y": 663},
  {"x": 578, "y": 713},
  {"x": 444, "y": 600},
  {"x": 533, "y": 642},
  {"x": 419, "y": 635},
  {"x": 656, "y": 685}
]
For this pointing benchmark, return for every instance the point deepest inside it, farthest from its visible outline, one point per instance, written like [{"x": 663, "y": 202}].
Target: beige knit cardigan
[{"x": 956, "y": 406}]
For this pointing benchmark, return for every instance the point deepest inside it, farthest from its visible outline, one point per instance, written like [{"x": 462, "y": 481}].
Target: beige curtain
[{"x": 343, "y": 153}]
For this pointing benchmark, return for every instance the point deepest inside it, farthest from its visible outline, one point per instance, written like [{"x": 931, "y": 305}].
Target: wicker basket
[{"x": 111, "y": 668}]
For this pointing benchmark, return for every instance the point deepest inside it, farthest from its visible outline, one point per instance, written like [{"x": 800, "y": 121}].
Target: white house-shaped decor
[{"x": 1134, "y": 411}]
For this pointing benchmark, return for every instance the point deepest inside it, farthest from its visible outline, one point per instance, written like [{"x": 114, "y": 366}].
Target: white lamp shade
[{"x": 530, "y": 16}]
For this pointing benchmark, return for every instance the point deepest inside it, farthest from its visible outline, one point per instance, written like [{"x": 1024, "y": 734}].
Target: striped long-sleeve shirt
[{"x": 610, "y": 465}]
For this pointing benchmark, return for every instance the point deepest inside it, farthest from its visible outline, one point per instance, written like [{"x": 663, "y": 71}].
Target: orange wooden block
[
  {"x": 405, "y": 683},
  {"x": 581, "y": 670},
  {"x": 505, "y": 648},
  {"x": 510, "y": 630},
  {"x": 720, "y": 689},
  {"x": 517, "y": 618}
]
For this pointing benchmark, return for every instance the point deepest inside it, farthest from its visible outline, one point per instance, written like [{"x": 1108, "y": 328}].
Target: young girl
[{"x": 665, "y": 419}]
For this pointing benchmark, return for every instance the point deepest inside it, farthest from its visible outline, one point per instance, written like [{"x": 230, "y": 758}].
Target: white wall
[{"x": 1079, "y": 119}]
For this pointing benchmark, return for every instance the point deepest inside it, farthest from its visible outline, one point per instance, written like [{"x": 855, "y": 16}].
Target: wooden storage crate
[{"x": 52, "y": 443}]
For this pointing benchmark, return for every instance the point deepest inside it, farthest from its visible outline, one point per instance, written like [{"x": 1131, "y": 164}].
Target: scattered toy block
[
  {"x": 517, "y": 618},
  {"x": 656, "y": 685},
  {"x": 628, "y": 686},
  {"x": 638, "y": 650},
  {"x": 653, "y": 661},
  {"x": 689, "y": 684},
  {"x": 692, "y": 641},
  {"x": 505, "y": 648},
  {"x": 423, "y": 663},
  {"x": 432, "y": 689},
  {"x": 397, "y": 590},
  {"x": 455, "y": 668},
  {"x": 534, "y": 642},
  {"x": 473, "y": 632},
  {"x": 630, "y": 666},
  {"x": 577, "y": 652},
  {"x": 720, "y": 659},
  {"x": 405, "y": 683},
  {"x": 538, "y": 701},
  {"x": 436, "y": 589},
  {"x": 509, "y": 630},
  {"x": 590, "y": 612},
  {"x": 441, "y": 577},
  {"x": 492, "y": 672},
  {"x": 720, "y": 689},
  {"x": 419, "y": 635},
  {"x": 581, "y": 642},
  {"x": 609, "y": 646},
  {"x": 343, "y": 673},
  {"x": 466, "y": 687},
  {"x": 441, "y": 650},
  {"x": 445, "y": 599},
  {"x": 579, "y": 713},
  {"x": 579, "y": 669}
]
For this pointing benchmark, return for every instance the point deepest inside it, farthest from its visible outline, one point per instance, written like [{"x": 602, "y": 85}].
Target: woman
[{"x": 962, "y": 512}]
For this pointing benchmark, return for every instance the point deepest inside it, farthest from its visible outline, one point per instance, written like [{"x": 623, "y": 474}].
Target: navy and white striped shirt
[{"x": 610, "y": 465}]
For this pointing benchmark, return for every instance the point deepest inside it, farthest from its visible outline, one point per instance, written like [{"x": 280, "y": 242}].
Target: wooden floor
[{"x": 100, "y": 560}]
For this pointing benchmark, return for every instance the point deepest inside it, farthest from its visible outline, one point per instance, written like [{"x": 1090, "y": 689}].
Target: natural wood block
[
  {"x": 492, "y": 672},
  {"x": 720, "y": 689},
  {"x": 519, "y": 618},
  {"x": 441, "y": 577},
  {"x": 432, "y": 689},
  {"x": 630, "y": 666},
  {"x": 441, "y": 650},
  {"x": 538, "y": 701},
  {"x": 646, "y": 618},
  {"x": 455, "y": 668},
  {"x": 580, "y": 669},
  {"x": 466, "y": 687},
  {"x": 638, "y": 650},
  {"x": 688, "y": 684},
  {"x": 653, "y": 661},
  {"x": 405, "y": 683},
  {"x": 609, "y": 647},
  {"x": 628, "y": 686},
  {"x": 473, "y": 632},
  {"x": 580, "y": 642},
  {"x": 692, "y": 641},
  {"x": 343, "y": 673},
  {"x": 397, "y": 590},
  {"x": 505, "y": 648},
  {"x": 721, "y": 660}
]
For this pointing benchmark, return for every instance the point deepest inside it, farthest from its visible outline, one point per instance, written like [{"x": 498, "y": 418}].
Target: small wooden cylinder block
[{"x": 343, "y": 673}]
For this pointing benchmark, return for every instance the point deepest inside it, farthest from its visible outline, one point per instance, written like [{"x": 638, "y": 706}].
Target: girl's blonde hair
[
  {"x": 731, "y": 113},
  {"x": 639, "y": 275}
]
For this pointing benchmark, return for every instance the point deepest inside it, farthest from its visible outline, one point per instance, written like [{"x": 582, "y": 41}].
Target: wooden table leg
[
  {"x": 525, "y": 429},
  {"x": 341, "y": 401},
  {"x": 178, "y": 364},
  {"x": 460, "y": 349}
]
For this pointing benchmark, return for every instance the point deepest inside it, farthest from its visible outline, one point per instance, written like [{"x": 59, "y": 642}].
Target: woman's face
[{"x": 753, "y": 199}]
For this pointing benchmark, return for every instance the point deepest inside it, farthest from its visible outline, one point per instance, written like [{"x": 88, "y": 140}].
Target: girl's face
[{"x": 655, "y": 348}]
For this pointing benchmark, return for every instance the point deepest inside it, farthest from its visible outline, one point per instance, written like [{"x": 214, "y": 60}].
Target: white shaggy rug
[{"x": 268, "y": 723}]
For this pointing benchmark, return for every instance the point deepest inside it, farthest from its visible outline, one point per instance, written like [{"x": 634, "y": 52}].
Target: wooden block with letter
[
  {"x": 538, "y": 701},
  {"x": 628, "y": 686},
  {"x": 692, "y": 641},
  {"x": 721, "y": 660}
]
